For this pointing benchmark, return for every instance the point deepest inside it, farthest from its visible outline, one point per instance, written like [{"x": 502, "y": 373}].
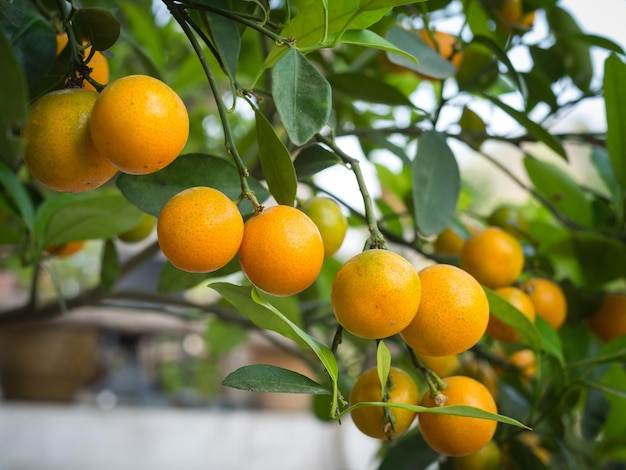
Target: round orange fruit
[
  {"x": 456, "y": 436},
  {"x": 139, "y": 124},
  {"x": 453, "y": 312},
  {"x": 66, "y": 250},
  {"x": 59, "y": 150},
  {"x": 370, "y": 420},
  {"x": 498, "y": 329},
  {"x": 609, "y": 320},
  {"x": 548, "y": 299},
  {"x": 376, "y": 294},
  {"x": 282, "y": 250},
  {"x": 199, "y": 229}
]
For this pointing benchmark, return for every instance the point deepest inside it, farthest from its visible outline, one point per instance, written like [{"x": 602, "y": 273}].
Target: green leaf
[
  {"x": 13, "y": 102},
  {"x": 84, "y": 219},
  {"x": 19, "y": 194},
  {"x": 313, "y": 159},
  {"x": 225, "y": 35},
  {"x": 615, "y": 108},
  {"x": 324, "y": 353},
  {"x": 99, "y": 26},
  {"x": 534, "y": 129},
  {"x": 560, "y": 190},
  {"x": 409, "y": 451},
  {"x": 367, "y": 38},
  {"x": 383, "y": 365},
  {"x": 429, "y": 62},
  {"x": 478, "y": 69},
  {"x": 550, "y": 340},
  {"x": 151, "y": 192},
  {"x": 503, "y": 310},
  {"x": 276, "y": 163},
  {"x": 499, "y": 54},
  {"x": 110, "y": 268},
  {"x": 268, "y": 378},
  {"x": 302, "y": 96},
  {"x": 356, "y": 86},
  {"x": 436, "y": 183},
  {"x": 473, "y": 127}
]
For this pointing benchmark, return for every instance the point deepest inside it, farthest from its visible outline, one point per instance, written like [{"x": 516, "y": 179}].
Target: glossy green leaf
[
  {"x": 313, "y": 159},
  {"x": 436, "y": 183},
  {"x": 302, "y": 96},
  {"x": 615, "y": 108},
  {"x": 13, "y": 102},
  {"x": 276, "y": 163},
  {"x": 370, "y": 39},
  {"x": 383, "y": 365},
  {"x": 274, "y": 379},
  {"x": 356, "y": 86},
  {"x": 99, "y": 26},
  {"x": 18, "y": 193},
  {"x": 83, "y": 219},
  {"x": 225, "y": 35},
  {"x": 550, "y": 340},
  {"x": 533, "y": 129},
  {"x": 324, "y": 353},
  {"x": 503, "y": 310},
  {"x": 151, "y": 192},
  {"x": 559, "y": 189},
  {"x": 429, "y": 63}
]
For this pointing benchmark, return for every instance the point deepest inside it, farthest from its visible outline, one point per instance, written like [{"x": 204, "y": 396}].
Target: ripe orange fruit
[
  {"x": 375, "y": 294},
  {"x": 526, "y": 361},
  {"x": 487, "y": 458},
  {"x": 140, "y": 231},
  {"x": 330, "y": 221},
  {"x": 59, "y": 151},
  {"x": 548, "y": 299},
  {"x": 66, "y": 249},
  {"x": 456, "y": 436},
  {"x": 199, "y": 229},
  {"x": 452, "y": 315},
  {"x": 444, "y": 43},
  {"x": 98, "y": 63},
  {"x": 443, "y": 366},
  {"x": 481, "y": 370},
  {"x": 448, "y": 243},
  {"x": 371, "y": 419},
  {"x": 139, "y": 124},
  {"x": 494, "y": 257},
  {"x": 499, "y": 330},
  {"x": 282, "y": 250},
  {"x": 609, "y": 321}
]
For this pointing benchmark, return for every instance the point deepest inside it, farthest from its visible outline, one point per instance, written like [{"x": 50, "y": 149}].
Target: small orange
[
  {"x": 526, "y": 361},
  {"x": 59, "y": 151},
  {"x": 443, "y": 366},
  {"x": 330, "y": 221},
  {"x": 487, "y": 458},
  {"x": 499, "y": 330},
  {"x": 493, "y": 256},
  {"x": 98, "y": 63},
  {"x": 456, "y": 436},
  {"x": 199, "y": 229},
  {"x": 66, "y": 249},
  {"x": 282, "y": 250},
  {"x": 453, "y": 312},
  {"x": 448, "y": 243},
  {"x": 375, "y": 294},
  {"x": 371, "y": 419},
  {"x": 548, "y": 299},
  {"x": 609, "y": 321},
  {"x": 445, "y": 43},
  {"x": 139, "y": 124}
]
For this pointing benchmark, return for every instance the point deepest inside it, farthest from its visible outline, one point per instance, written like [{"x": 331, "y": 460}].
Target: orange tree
[{"x": 272, "y": 90}]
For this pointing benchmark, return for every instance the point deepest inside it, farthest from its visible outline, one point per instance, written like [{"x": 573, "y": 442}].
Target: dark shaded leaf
[
  {"x": 595, "y": 413},
  {"x": 313, "y": 159},
  {"x": 436, "y": 183},
  {"x": 110, "y": 268},
  {"x": 226, "y": 37},
  {"x": 268, "y": 378},
  {"x": 302, "y": 96},
  {"x": 355, "y": 86},
  {"x": 99, "y": 26}
]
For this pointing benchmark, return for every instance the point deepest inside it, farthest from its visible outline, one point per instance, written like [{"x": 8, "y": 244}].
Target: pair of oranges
[{"x": 77, "y": 139}]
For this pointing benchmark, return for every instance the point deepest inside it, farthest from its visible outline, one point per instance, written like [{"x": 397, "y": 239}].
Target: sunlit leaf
[{"x": 302, "y": 96}]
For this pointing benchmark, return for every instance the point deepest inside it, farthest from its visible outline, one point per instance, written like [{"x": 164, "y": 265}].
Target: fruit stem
[
  {"x": 337, "y": 339},
  {"x": 181, "y": 17},
  {"x": 434, "y": 382},
  {"x": 376, "y": 238}
]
